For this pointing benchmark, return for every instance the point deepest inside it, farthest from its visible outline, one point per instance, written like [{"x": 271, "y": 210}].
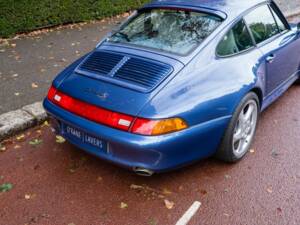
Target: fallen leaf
[
  {"x": 123, "y": 205},
  {"x": 226, "y": 190},
  {"x": 34, "y": 85},
  {"x": 17, "y": 94},
  {"x": 15, "y": 75},
  {"x": 27, "y": 196},
  {"x": 226, "y": 214},
  {"x": 169, "y": 204},
  {"x": 72, "y": 170},
  {"x": 20, "y": 137},
  {"x": 252, "y": 151},
  {"x": 43, "y": 70},
  {"x": 227, "y": 176},
  {"x": 269, "y": 190},
  {"x": 36, "y": 142},
  {"x": 1, "y": 177},
  {"x": 203, "y": 192},
  {"x": 166, "y": 191},
  {"x": 60, "y": 139},
  {"x": 2, "y": 148},
  {"x": 134, "y": 186},
  {"x": 46, "y": 123},
  {"x": 17, "y": 147},
  {"x": 5, "y": 187},
  {"x": 13, "y": 45},
  {"x": 99, "y": 179}
]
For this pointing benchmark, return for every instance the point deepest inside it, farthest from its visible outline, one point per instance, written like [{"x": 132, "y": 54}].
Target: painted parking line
[{"x": 189, "y": 214}]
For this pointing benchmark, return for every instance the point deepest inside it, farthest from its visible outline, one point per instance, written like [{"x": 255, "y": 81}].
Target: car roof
[{"x": 230, "y": 7}]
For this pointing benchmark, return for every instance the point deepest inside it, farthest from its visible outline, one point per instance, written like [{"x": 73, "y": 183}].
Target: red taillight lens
[
  {"x": 51, "y": 93},
  {"x": 91, "y": 112}
]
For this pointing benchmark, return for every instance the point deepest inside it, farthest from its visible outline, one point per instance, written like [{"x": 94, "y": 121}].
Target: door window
[
  {"x": 262, "y": 23},
  {"x": 236, "y": 40},
  {"x": 279, "y": 22}
]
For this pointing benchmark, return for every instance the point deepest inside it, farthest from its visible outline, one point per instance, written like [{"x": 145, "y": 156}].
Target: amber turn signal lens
[{"x": 158, "y": 127}]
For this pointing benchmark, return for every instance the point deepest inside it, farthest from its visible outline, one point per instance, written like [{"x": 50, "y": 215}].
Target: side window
[
  {"x": 236, "y": 40},
  {"x": 262, "y": 23},
  {"x": 279, "y": 22}
]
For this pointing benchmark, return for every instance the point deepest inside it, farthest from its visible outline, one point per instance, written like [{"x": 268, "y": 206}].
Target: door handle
[{"x": 270, "y": 58}]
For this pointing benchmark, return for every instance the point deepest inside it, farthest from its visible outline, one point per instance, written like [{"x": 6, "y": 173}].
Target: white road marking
[{"x": 189, "y": 214}]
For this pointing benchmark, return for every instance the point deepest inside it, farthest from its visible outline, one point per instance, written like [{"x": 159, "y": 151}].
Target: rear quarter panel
[{"x": 209, "y": 87}]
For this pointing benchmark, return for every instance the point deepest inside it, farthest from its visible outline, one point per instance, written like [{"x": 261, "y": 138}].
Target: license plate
[{"x": 79, "y": 135}]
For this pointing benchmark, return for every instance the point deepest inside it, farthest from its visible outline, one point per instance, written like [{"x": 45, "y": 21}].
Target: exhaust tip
[{"x": 143, "y": 172}]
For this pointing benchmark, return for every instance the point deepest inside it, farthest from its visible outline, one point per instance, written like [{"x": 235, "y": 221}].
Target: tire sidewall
[{"x": 225, "y": 151}]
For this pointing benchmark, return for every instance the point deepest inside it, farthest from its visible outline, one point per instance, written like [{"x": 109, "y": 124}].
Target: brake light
[
  {"x": 113, "y": 119},
  {"x": 91, "y": 112}
]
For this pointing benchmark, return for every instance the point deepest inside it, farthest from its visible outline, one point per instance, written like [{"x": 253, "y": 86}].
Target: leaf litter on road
[
  {"x": 2, "y": 148},
  {"x": 6, "y": 187},
  {"x": 60, "y": 139},
  {"x": 35, "y": 142},
  {"x": 34, "y": 85},
  {"x": 123, "y": 205},
  {"x": 169, "y": 204},
  {"x": 20, "y": 137}
]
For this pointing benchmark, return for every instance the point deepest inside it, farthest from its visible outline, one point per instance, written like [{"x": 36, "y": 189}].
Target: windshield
[{"x": 176, "y": 31}]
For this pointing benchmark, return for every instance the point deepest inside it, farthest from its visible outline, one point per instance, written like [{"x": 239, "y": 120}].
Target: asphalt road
[{"x": 58, "y": 184}]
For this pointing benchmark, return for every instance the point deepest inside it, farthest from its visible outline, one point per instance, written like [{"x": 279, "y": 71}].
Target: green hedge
[{"x": 26, "y": 15}]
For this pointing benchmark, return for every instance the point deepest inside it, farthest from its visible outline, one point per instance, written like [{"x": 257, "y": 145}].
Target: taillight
[
  {"x": 91, "y": 112},
  {"x": 51, "y": 93},
  {"x": 158, "y": 127},
  {"x": 116, "y": 120}
]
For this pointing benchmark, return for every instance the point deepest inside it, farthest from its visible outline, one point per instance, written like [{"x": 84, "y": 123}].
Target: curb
[{"x": 21, "y": 119}]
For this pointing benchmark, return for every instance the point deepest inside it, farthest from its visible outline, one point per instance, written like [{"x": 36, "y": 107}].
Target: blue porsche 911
[{"x": 179, "y": 81}]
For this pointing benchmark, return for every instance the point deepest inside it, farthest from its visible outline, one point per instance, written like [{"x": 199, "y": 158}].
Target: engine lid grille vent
[{"x": 124, "y": 69}]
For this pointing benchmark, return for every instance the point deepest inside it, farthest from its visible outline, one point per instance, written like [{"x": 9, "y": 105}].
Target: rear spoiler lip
[{"x": 207, "y": 10}]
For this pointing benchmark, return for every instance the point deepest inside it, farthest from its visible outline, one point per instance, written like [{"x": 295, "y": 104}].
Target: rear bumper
[{"x": 159, "y": 154}]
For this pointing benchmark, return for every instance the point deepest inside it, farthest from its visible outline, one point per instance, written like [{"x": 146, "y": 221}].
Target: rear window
[{"x": 175, "y": 31}]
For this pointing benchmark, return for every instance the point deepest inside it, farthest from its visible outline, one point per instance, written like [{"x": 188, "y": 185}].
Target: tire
[{"x": 233, "y": 149}]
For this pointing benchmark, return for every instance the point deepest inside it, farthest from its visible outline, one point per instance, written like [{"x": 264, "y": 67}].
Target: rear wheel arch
[{"x": 259, "y": 94}]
